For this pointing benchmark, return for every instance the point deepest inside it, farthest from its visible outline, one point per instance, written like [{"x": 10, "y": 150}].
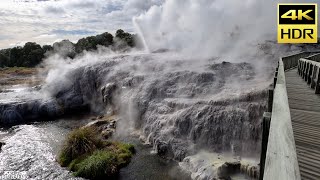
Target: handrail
[
  {"x": 278, "y": 159},
  {"x": 281, "y": 158},
  {"x": 291, "y": 61},
  {"x": 310, "y": 72},
  {"x": 314, "y": 57}
]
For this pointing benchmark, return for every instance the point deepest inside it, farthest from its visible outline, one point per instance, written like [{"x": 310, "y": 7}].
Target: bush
[
  {"x": 97, "y": 166},
  {"x": 79, "y": 142},
  {"x": 90, "y": 157}
]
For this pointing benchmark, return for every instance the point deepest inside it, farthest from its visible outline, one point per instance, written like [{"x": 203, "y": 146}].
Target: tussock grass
[{"x": 88, "y": 156}]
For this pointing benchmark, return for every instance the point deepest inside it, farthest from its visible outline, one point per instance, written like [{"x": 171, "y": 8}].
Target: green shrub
[
  {"x": 97, "y": 166},
  {"x": 79, "y": 142},
  {"x": 88, "y": 156}
]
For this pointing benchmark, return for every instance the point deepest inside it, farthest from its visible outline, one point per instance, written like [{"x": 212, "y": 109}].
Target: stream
[
  {"x": 30, "y": 153},
  {"x": 30, "y": 150}
]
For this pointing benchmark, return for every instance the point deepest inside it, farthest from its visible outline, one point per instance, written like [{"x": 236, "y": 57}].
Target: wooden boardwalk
[{"x": 305, "y": 115}]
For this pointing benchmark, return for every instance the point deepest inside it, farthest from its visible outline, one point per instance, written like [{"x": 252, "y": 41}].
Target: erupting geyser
[{"x": 198, "y": 100}]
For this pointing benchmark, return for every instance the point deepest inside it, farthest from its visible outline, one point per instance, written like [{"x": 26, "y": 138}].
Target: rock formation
[{"x": 179, "y": 106}]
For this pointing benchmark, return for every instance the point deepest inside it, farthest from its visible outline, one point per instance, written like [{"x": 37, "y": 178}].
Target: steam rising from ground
[
  {"x": 208, "y": 28},
  {"x": 189, "y": 98},
  {"x": 207, "y": 92}
]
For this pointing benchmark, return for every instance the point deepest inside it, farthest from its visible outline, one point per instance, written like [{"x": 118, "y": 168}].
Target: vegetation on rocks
[{"x": 88, "y": 155}]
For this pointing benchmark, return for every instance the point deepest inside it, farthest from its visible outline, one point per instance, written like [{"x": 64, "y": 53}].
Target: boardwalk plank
[{"x": 305, "y": 114}]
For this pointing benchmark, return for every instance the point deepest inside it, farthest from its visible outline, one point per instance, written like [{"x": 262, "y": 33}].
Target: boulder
[
  {"x": 105, "y": 125},
  {"x": 228, "y": 168}
]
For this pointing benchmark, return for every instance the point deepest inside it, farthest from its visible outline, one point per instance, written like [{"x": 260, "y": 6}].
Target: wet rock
[
  {"x": 107, "y": 92},
  {"x": 1, "y": 144},
  {"x": 176, "y": 108},
  {"x": 23, "y": 112},
  {"x": 251, "y": 170},
  {"x": 163, "y": 149},
  {"x": 37, "y": 87},
  {"x": 206, "y": 165},
  {"x": 104, "y": 125},
  {"x": 107, "y": 133},
  {"x": 228, "y": 168}
]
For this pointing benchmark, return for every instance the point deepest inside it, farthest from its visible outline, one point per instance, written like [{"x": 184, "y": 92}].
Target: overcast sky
[{"x": 47, "y": 21}]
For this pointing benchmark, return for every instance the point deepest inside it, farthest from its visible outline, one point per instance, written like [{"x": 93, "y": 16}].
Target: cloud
[
  {"x": 20, "y": 43},
  {"x": 46, "y": 36},
  {"x": 82, "y": 4},
  {"x": 68, "y": 19},
  {"x": 72, "y": 32},
  {"x": 3, "y": 37},
  {"x": 54, "y": 10},
  {"x": 142, "y": 5}
]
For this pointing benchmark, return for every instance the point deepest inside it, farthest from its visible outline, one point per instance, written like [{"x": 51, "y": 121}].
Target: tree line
[{"x": 31, "y": 54}]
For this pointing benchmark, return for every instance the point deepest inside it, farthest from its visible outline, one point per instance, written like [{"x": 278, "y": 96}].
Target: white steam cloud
[{"x": 208, "y": 28}]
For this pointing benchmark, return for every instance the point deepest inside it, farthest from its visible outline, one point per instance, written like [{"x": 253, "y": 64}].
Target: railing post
[
  {"x": 299, "y": 67},
  {"x": 317, "y": 83},
  {"x": 313, "y": 76},
  {"x": 307, "y": 71},
  {"x": 275, "y": 77},
  {"x": 270, "y": 99},
  {"x": 310, "y": 73},
  {"x": 304, "y": 69},
  {"x": 265, "y": 136}
]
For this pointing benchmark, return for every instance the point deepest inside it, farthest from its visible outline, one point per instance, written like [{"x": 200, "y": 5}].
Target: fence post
[
  {"x": 299, "y": 67},
  {"x": 307, "y": 72},
  {"x": 313, "y": 76},
  {"x": 275, "y": 77},
  {"x": 317, "y": 83},
  {"x": 304, "y": 69},
  {"x": 310, "y": 73},
  {"x": 270, "y": 99},
  {"x": 265, "y": 136}
]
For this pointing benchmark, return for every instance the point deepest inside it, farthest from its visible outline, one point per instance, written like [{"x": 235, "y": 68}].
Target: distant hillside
[{"x": 31, "y": 54}]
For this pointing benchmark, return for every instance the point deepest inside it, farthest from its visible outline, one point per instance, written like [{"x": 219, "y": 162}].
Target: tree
[
  {"x": 4, "y": 57},
  {"x": 14, "y": 57},
  {"x": 125, "y": 37},
  {"x": 47, "y": 48},
  {"x": 31, "y": 55},
  {"x": 91, "y": 43}
]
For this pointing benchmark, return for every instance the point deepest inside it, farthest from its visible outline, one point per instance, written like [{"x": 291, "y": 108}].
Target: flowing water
[
  {"x": 146, "y": 165},
  {"x": 30, "y": 153}
]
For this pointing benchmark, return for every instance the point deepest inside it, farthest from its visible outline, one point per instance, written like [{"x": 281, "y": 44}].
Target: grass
[
  {"x": 89, "y": 156},
  {"x": 19, "y": 71},
  {"x": 79, "y": 142},
  {"x": 99, "y": 165},
  {"x": 19, "y": 75}
]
